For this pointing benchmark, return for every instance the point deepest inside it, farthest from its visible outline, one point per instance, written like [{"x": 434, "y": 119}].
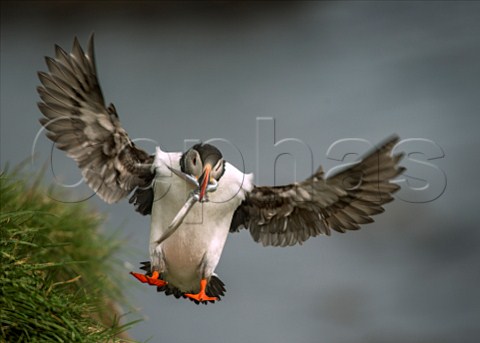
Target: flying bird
[{"x": 196, "y": 198}]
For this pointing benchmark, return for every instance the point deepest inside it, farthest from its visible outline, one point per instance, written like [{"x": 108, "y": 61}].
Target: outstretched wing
[
  {"x": 77, "y": 120},
  {"x": 286, "y": 215}
]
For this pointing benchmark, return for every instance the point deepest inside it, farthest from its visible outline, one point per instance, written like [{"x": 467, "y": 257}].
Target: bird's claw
[
  {"x": 153, "y": 280},
  {"x": 201, "y": 296}
]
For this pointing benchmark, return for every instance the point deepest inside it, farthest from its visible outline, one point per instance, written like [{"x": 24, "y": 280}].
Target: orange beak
[{"x": 205, "y": 179}]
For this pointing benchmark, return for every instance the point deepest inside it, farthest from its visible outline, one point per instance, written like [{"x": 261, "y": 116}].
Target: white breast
[{"x": 194, "y": 250}]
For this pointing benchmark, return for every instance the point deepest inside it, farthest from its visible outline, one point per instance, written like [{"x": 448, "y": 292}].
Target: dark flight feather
[
  {"x": 77, "y": 120},
  {"x": 291, "y": 214}
]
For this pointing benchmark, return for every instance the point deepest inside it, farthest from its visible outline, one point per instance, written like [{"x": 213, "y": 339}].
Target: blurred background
[{"x": 324, "y": 71}]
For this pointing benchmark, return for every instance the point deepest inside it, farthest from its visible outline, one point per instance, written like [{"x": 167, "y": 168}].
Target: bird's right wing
[{"x": 78, "y": 122}]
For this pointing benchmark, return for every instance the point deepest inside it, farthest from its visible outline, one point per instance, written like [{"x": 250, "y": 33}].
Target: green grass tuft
[{"x": 57, "y": 275}]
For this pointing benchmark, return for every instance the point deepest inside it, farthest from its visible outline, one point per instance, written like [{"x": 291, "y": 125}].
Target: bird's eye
[{"x": 194, "y": 161}]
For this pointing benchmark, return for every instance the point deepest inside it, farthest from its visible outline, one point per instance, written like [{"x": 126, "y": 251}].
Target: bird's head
[{"x": 205, "y": 163}]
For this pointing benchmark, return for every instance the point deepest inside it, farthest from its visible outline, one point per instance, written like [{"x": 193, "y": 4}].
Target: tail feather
[
  {"x": 215, "y": 286},
  {"x": 145, "y": 266}
]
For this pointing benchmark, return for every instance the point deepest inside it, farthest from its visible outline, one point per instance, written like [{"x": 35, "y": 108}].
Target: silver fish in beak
[{"x": 198, "y": 194}]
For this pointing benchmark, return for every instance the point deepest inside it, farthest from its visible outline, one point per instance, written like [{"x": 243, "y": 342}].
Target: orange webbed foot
[
  {"x": 201, "y": 296},
  {"x": 153, "y": 280}
]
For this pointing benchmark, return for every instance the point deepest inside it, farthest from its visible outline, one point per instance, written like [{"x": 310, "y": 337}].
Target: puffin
[{"x": 196, "y": 198}]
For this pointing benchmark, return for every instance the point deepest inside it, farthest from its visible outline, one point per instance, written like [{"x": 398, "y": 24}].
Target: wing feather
[
  {"x": 291, "y": 214},
  {"x": 78, "y": 122}
]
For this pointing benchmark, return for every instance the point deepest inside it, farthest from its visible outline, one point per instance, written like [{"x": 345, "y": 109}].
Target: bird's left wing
[
  {"x": 286, "y": 215},
  {"x": 77, "y": 120}
]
